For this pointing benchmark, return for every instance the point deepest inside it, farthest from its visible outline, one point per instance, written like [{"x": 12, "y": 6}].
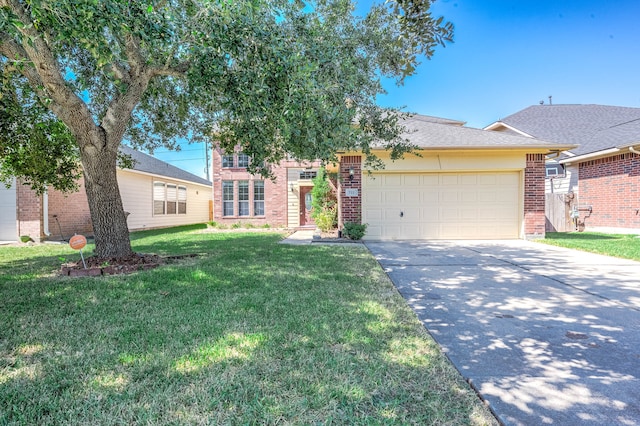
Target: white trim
[
  {"x": 495, "y": 125},
  {"x": 584, "y": 157},
  {"x": 45, "y": 213},
  {"x": 165, "y": 177}
]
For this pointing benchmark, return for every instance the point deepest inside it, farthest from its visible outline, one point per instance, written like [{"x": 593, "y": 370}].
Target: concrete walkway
[
  {"x": 546, "y": 335},
  {"x": 304, "y": 236}
]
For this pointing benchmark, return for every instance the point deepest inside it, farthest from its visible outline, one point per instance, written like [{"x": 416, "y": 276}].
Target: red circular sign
[{"x": 77, "y": 242}]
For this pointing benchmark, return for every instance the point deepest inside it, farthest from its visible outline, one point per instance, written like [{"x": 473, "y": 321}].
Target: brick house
[
  {"x": 154, "y": 193},
  {"x": 467, "y": 184},
  {"x": 602, "y": 174}
]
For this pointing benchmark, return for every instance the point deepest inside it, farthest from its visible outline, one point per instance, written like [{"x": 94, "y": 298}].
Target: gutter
[
  {"x": 580, "y": 158},
  {"x": 45, "y": 213},
  {"x": 635, "y": 151}
]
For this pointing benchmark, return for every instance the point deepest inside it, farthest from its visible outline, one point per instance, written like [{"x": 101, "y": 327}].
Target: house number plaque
[{"x": 351, "y": 192}]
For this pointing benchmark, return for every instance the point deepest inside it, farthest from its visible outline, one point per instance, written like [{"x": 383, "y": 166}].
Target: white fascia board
[
  {"x": 497, "y": 124},
  {"x": 591, "y": 155},
  {"x": 166, "y": 177}
]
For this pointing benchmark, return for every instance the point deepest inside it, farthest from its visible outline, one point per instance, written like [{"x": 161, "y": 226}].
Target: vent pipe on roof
[{"x": 550, "y": 100}]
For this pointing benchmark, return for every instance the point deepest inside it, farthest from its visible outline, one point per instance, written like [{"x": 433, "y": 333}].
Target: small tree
[{"x": 324, "y": 202}]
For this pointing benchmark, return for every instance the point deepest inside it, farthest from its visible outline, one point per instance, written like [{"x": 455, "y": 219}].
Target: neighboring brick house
[
  {"x": 154, "y": 193},
  {"x": 467, "y": 184},
  {"x": 602, "y": 174}
]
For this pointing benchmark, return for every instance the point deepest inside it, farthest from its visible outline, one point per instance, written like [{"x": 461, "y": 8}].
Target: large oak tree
[{"x": 280, "y": 78}]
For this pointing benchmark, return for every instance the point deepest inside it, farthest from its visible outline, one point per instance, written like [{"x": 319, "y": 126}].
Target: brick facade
[
  {"x": 69, "y": 213},
  {"x": 350, "y": 207},
  {"x": 29, "y": 208},
  {"x": 611, "y": 187},
  {"x": 534, "y": 197}
]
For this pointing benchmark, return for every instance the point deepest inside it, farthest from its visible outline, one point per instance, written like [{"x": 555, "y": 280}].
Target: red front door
[{"x": 305, "y": 206}]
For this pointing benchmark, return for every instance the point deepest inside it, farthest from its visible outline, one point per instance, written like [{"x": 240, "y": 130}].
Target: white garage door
[
  {"x": 8, "y": 228},
  {"x": 441, "y": 205}
]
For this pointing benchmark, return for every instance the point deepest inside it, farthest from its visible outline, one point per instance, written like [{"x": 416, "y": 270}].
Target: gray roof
[
  {"x": 592, "y": 127},
  {"x": 434, "y": 135},
  {"x": 148, "y": 164}
]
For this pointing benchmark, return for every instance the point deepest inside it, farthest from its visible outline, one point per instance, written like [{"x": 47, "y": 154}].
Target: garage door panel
[{"x": 442, "y": 205}]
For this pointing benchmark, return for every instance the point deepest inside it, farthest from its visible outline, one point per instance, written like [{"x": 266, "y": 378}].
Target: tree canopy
[{"x": 278, "y": 77}]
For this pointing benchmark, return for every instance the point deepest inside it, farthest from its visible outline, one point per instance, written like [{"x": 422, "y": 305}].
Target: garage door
[
  {"x": 8, "y": 229},
  {"x": 441, "y": 205}
]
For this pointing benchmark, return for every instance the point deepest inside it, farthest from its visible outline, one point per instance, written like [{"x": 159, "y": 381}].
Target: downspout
[
  {"x": 635, "y": 151},
  {"x": 45, "y": 213}
]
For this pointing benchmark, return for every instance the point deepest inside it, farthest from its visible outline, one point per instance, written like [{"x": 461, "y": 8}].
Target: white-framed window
[
  {"x": 182, "y": 200},
  {"x": 169, "y": 198},
  {"x": 227, "y": 198},
  {"x": 258, "y": 198},
  {"x": 227, "y": 161},
  {"x": 243, "y": 160},
  {"x": 158, "y": 198},
  {"x": 243, "y": 198}
]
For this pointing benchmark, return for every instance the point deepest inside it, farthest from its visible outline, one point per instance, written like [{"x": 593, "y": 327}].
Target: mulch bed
[{"x": 135, "y": 262}]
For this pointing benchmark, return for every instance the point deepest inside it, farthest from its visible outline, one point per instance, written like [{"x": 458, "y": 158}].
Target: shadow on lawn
[
  {"x": 254, "y": 332},
  {"x": 579, "y": 236}
]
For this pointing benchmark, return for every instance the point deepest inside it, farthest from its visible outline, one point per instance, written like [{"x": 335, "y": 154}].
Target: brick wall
[
  {"x": 29, "y": 208},
  {"x": 534, "y": 198},
  {"x": 275, "y": 194},
  {"x": 350, "y": 208},
  {"x": 71, "y": 211},
  {"x": 611, "y": 186}
]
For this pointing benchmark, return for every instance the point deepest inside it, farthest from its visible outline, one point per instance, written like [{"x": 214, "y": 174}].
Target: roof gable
[
  {"x": 592, "y": 127},
  {"x": 148, "y": 164}
]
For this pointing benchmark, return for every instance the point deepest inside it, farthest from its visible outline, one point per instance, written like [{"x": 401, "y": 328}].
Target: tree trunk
[{"x": 105, "y": 203}]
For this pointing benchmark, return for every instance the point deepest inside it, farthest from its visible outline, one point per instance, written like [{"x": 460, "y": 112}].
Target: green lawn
[
  {"x": 624, "y": 246},
  {"x": 249, "y": 332}
]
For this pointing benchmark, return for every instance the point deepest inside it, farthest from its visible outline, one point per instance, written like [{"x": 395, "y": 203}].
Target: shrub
[
  {"x": 236, "y": 225},
  {"x": 324, "y": 212},
  {"x": 354, "y": 231}
]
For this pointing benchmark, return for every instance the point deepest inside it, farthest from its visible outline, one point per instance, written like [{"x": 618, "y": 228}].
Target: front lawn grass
[
  {"x": 249, "y": 332},
  {"x": 617, "y": 245}
]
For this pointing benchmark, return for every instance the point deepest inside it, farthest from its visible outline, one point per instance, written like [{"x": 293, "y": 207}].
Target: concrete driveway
[{"x": 545, "y": 335}]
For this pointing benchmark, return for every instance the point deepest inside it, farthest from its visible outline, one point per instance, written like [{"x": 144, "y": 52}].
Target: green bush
[
  {"x": 354, "y": 231},
  {"x": 327, "y": 219},
  {"x": 324, "y": 212}
]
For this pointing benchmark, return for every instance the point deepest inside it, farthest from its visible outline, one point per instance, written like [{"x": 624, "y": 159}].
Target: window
[
  {"x": 172, "y": 199},
  {"x": 307, "y": 174},
  {"x": 182, "y": 200},
  {"x": 243, "y": 160},
  {"x": 258, "y": 198},
  {"x": 227, "y": 198},
  {"x": 243, "y": 198},
  {"x": 158, "y": 198},
  {"x": 168, "y": 198},
  {"x": 555, "y": 170},
  {"x": 227, "y": 161}
]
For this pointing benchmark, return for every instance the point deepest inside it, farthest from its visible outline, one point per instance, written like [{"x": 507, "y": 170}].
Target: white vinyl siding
[
  {"x": 8, "y": 224},
  {"x": 138, "y": 190}
]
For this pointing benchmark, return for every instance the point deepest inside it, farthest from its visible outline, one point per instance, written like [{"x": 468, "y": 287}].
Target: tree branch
[{"x": 44, "y": 75}]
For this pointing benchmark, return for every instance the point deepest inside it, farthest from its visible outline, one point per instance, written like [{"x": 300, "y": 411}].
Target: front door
[{"x": 305, "y": 206}]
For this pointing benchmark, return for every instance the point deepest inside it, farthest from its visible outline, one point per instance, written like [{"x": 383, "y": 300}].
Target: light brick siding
[
  {"x": 29, "y": 207},
  {"x": 611, "y": 186},
  {"x": 72, "y": 211},
  {"x": 534, "y": 198},
  {"x": 350, "y": 208}
]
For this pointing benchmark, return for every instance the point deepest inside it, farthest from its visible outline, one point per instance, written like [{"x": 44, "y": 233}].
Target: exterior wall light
[{"x": 351, "y": 171}]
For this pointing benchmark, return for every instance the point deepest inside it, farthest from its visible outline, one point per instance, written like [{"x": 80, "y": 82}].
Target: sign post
[{"x": 77, "y": 242}]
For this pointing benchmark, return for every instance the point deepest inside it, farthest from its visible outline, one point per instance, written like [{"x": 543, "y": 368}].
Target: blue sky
[{"x": 510, "y": 54}]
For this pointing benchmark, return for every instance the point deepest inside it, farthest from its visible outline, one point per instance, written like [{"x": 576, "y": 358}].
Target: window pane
[
  {"x": 243, "y": 160},
  {"x": 158, "y": 198},
  {"x": 227, "y": 160},
  {"x": 227, "y": 198},
  {"x": 182, "y": 200},
  {"x": 243, "y": 198},
  {"x": 258, "y": 198}
]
